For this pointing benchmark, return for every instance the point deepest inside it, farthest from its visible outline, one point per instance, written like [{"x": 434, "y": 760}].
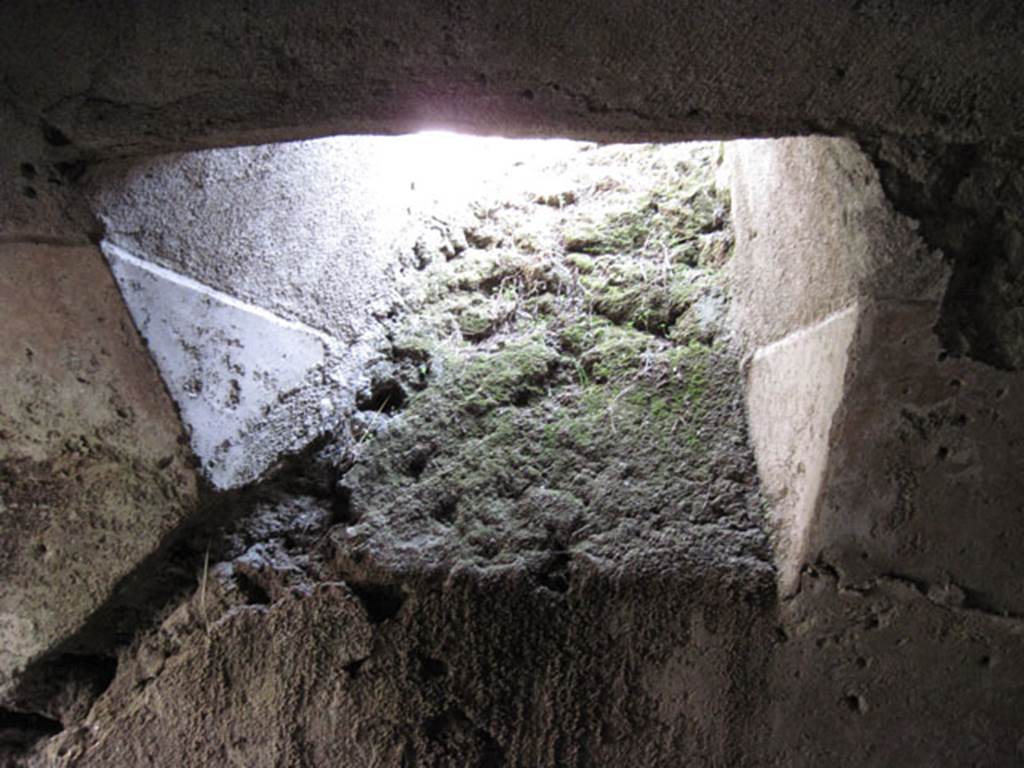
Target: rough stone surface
[
  {"x": 342, "y": 676},
  {"x": 249, "y": 385},
  {"x": 94, "y": 469},
  {"x": 124, "y": 77}
]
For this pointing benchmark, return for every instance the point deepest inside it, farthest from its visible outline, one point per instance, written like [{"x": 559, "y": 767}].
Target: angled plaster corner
[
  {"x": 248, "y": 384},
  {"x": 794, "y": 388}
]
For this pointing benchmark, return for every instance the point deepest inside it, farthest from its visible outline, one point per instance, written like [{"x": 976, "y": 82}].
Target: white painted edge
[
  {"x": 112, "y": 251},
  {"x": 797, "y": 336}
]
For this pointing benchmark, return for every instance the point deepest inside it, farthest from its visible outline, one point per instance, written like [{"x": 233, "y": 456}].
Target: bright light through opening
[{"x": 448, "y": 167}]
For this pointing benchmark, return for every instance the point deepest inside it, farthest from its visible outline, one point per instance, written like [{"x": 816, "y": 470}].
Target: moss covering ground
[{"x": 572, "y": 384}]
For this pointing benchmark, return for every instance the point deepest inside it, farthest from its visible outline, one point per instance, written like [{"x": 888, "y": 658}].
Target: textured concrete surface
[
  {"x": 903, "y": 632},
  {"x": 123, "y": 77},
  {"x": 919, "y": 438},
  {"x": 310, "y": 231},
  {"x": 814, "y": 234},
  {"x": 894, "y": 472},
  {"x": 937, "y": 488},
  {"x": 258, "y": 276},
  {"x": 38, "y": 199},
  {"x": 887, "y": 672},
  {"x": 93, "y": 465},
  {"x": 249, "y": 385},
  {"x": 481, "y": 668},
  {"x": 968, "y": 200}
]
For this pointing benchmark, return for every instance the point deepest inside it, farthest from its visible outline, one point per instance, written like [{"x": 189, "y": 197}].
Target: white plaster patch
[{"x": 249, "y": 385}]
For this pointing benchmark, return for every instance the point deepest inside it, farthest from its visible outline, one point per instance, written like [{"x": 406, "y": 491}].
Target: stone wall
[
  {"x": 95, "y": 473},
  {"x": 891, "y": 467}
]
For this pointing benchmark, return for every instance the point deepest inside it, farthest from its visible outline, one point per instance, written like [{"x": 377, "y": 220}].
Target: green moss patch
[
  {"x": 512, "y": 375},
  {"x": 576, "y": 390}
]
